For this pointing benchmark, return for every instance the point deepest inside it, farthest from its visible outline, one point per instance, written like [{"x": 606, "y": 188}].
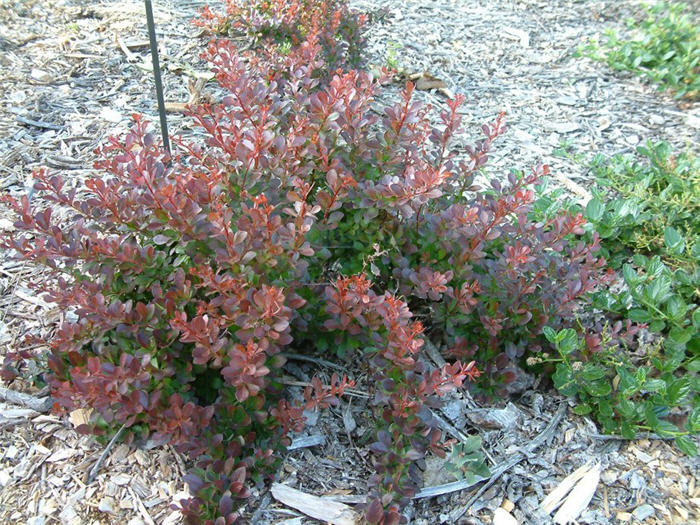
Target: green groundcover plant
[
  {"x": 645, "y": 211},
  {"x": 648, "y": 203},
  {"x": 663, "y": 47}
]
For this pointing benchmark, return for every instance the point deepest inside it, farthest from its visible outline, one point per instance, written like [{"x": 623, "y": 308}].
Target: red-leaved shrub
[
  {"x": 187, "y": 276},
  {"x": 278, "y": 27}
]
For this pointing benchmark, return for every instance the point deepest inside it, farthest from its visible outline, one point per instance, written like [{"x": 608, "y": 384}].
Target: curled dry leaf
[{"x": 425, "y": 82}]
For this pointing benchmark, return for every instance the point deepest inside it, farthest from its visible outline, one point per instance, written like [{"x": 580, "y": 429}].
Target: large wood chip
[
  {"x": 579, "y": 498},
  {"x": 321, "y": 509},
  {"x": 555, "y": 497}
]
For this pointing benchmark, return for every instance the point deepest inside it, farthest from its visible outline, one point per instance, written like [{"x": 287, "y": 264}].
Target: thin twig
[
  {"x": 12, "y": 423},
  {"x": 615, "y": 437},
  {"x": 37, "y": 123},
  {"x": 96, "y": 467},
  {"x": 348, "y": 391}
]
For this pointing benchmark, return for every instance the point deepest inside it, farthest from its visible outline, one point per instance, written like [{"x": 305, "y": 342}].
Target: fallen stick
[
  {"x": 130, "y": 57},
  {"x": 496, "y": 472},
  {"x": 37, "y": 123},
  {"x": 39, "y": 404},
  {"x": 642, "y": 435},
  {"x": 315, "y": 360},
  {"x": 307, "y": 441},
  {"x": 96, "y": 467}
]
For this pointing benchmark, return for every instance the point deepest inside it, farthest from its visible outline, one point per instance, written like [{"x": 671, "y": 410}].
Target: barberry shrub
[
  {"x": 186, "y": 275},
  {"x": 278, "y": 27}
]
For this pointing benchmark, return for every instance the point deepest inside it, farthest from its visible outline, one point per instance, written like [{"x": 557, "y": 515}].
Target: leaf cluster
[
  {"x": 277, "y": 27},
  {"x": 626, "y": 393},
  {"x": 648, "y": 203},
  {"x": 645, "y": 211},
  {"x": 466, "y": 461}
]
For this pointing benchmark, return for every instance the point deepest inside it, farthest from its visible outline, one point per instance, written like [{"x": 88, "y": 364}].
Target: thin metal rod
[{"x": 156, "y": 75}]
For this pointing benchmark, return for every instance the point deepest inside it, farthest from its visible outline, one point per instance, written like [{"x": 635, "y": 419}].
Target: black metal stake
[{"x": 156, "y": 75}]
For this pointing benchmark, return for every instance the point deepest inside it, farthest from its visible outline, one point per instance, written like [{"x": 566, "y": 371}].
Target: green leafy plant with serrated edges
[
  {"x": 666, "y": 301},
  {"x": 645, "y": 211},
  {"x": 626, "y": 393},
  {"x": 648, "y": 203},
  {"x": 664, "y": 47}
]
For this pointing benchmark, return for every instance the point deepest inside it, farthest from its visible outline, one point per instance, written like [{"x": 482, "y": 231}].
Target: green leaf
[
  {"x": 598, "y": 388},
  {"x": 606, "y": 411},
  {"x": 657, "y": 291},
  {"x": 630, "y": 275},
  {"x": 681, "y": 277},
  {"x": 480, "y": 469},
  {"x": 654, "y": 385},
  {"x": 472, "y": 444},
  {"x": 568, "y": 341},
  {"x": 678, "y": 337},
  {"x": 676, "y": 308},
  {"x": 627, "y": 430},
  {"x": 665, "y": 428},
  {"x": 582, "y": 409},
  {"x": 693, "y": 421},
  {"x": 550, "y": 334},
  {"x": 674, "y": 241},
  {"x": 563, "y": 380},
  {"x": 628, "y": 384},
  {"x": 695, "y": 252},
  {"x": 657, "y": 326},
  {"x": 650, "y": 415},
  {"x": 640, "y": 260},
  {"x": 693, "y": 365},
  {"x": 641, "y": 375},
  {"x": 638, "y": 315},
  {"x": 594, "y": 210},
  {"x": 625, "y": 408},
  {"x": 592, "y": 372},
  {"x": 678, "y": 391},
  {"x": 686, "y": 445}
]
